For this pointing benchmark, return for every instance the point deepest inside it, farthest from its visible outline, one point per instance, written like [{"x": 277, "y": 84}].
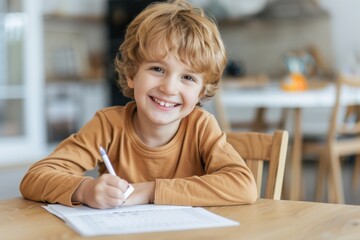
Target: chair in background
[
  {"x": 343, "y": 139},
  {"x": 353, "y": 112},
  {"x": 256, "y": 148}
]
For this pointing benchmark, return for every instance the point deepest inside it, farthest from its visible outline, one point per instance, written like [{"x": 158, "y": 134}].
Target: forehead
[{"x": 162, "y": 50}]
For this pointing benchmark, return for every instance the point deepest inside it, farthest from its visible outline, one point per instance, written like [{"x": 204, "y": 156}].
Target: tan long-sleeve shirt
[{"x": 197, "y": 167}]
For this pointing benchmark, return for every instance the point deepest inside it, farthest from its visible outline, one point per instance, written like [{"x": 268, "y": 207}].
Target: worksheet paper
[{"x": 137, "y": 219}]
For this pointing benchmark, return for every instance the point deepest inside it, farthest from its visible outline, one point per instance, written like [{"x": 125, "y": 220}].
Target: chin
[{"x": 163, "y": 122}]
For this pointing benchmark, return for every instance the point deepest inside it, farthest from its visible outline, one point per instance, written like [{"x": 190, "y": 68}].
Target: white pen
[{"x": 109, "y": 167}]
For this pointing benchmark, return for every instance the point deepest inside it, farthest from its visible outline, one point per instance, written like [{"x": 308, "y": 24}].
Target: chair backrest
[
  {"x": 348, "y": 123},
  {"x": 343, "y": 138},
  {"x": 255, "y": 148}
]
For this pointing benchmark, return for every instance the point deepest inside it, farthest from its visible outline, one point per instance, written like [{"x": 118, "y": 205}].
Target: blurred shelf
[
  {"x": 74, "y": 18},
  {"x": 80, "y": 79},
  {"x": 254, "y": 81}
]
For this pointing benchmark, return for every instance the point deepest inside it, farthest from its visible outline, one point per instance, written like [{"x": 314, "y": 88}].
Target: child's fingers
[
  {"x": 113, "y": 202},
  {"x": 110, "y": 196},
  {"x": 114, "y": 192},
  {"x": 123, "y": 185},
  {"x": 115, "y": 181},
  {"x": 109, "y": 202}
]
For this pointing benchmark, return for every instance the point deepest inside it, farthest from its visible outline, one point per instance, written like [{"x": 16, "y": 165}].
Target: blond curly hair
[{"x": 177, "y": 27}]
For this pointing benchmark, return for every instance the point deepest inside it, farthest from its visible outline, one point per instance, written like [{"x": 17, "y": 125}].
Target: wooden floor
[{"x": 10, "y": 179}]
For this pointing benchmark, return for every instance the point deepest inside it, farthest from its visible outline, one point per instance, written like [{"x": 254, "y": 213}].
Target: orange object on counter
[{"x": 295, "y": 82}]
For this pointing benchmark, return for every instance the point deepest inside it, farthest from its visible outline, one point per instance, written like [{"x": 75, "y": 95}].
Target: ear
[
  {"x": 204, "y": 91},
  {"x": 130, "y": 82}
]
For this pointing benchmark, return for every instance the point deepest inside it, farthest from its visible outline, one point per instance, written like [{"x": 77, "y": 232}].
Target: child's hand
[
  {"x": 143, "y": 194},
  {"x": 107, "y": 191}
]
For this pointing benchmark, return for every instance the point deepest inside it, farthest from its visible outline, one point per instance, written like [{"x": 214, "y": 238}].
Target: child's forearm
[
  {"x": 226, "y": 187},
  {"x": 144, "y": 193}
]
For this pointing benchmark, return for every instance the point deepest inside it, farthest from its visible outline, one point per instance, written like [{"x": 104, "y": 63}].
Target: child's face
[{"x": 165, "y": 91}]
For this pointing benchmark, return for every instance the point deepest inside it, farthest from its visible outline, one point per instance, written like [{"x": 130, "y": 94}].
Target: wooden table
[
  {"x": 320, "y": 95},
  {"x": 266, "y": 219}
]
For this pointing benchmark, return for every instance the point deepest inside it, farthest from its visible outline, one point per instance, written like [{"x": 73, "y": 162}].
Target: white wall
[
  {"x": 262, "y": 44},
  {"x": 345, "y": 30}
]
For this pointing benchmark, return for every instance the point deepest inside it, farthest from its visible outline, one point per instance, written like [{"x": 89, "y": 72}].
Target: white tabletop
[{"x": 272, "y": 96}]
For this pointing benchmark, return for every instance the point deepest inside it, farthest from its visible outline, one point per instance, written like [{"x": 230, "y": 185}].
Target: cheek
[
  {"x": 201, "y": 91},
  {"x": 194, "y": 95}
]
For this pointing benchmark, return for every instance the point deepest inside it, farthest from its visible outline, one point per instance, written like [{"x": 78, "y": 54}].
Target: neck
[{"x": 154, "y": 135}]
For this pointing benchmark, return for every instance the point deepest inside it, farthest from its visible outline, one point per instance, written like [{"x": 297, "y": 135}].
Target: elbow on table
[
  {"x": 244, "y": 190},
  {"x": 23, "y": 188},
  {"x": 26, "y": 188},
  {"x": 251, "y": 195}
]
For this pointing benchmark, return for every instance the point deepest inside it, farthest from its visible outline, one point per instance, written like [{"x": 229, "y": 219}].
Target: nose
[{"x": 169, "y": 85}]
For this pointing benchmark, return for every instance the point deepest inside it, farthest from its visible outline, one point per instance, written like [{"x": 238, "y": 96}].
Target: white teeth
[{"x": 164, "y": 104}]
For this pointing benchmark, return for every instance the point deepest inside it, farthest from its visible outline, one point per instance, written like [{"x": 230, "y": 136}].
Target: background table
[
  {"x": 265, "y": 219},
  {"x": 319, "y": 95}
]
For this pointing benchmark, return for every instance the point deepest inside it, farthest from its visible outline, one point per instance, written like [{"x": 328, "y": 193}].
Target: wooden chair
[
  {"x": 255, "y": 148},
  {"x": 354, "y": 113},
  {"x": 343, "y": 139}
]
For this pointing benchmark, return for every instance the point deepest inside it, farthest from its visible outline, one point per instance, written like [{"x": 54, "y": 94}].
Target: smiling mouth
[{"x": 163, "y": 103}]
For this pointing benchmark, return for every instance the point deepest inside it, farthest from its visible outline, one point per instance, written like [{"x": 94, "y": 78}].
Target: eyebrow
[{"x": 163, "y": 62}]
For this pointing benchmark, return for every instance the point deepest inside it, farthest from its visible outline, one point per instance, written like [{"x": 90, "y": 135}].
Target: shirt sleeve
[
  {"x": 55, "y": 178},
  {"x": 227, "y": 179}
]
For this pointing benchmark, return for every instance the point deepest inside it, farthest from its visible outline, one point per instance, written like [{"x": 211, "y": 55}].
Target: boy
[{"x": 170, "y": 150}]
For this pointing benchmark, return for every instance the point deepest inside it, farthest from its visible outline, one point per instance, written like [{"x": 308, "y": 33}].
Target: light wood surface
[
  {"x": 265, "y": 219},
  {"x": 256, "y": 148}
]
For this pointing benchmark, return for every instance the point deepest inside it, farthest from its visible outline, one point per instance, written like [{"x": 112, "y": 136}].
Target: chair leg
[
  {"x": 259, "y": 122},
  {"x": 321, "y": 176},
  {"x": 283, "y": 118},
  {"x": 356, "y": 173},
  {"x": 336, "y": 192}
]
